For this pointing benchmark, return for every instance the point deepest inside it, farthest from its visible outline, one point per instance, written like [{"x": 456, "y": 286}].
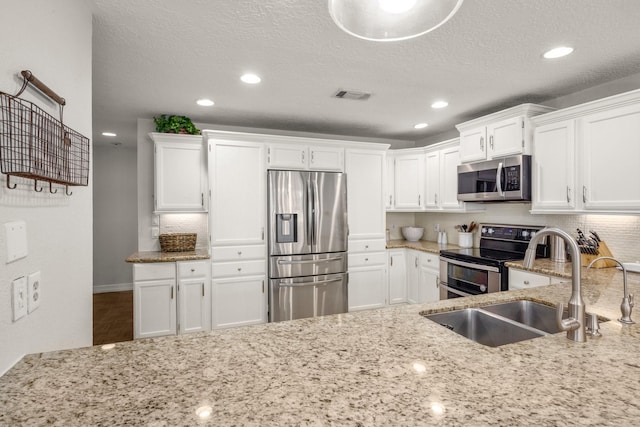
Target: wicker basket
[{"x": 178, "y": 242}]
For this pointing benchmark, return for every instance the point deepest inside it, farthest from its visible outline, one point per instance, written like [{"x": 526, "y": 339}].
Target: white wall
[
  {"x": 115, "y": 207},
  {"x": 53, "y": 40}
]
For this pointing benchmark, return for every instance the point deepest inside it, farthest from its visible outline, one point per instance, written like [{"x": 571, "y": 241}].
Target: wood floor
[{"x": 112, "y": 317}]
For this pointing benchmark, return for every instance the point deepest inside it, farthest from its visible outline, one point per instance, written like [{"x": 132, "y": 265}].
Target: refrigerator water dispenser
[{"x": 286, "y": 228}]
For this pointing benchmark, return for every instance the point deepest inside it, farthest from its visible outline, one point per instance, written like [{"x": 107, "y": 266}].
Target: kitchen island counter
[{"x": 378, "y": 367}]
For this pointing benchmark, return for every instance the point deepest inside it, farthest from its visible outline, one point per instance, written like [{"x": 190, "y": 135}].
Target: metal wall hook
[
  {"x": 51, "y": 188},
  {"x": 9, "y": 183},
  {"x": 35, "y": 186},
  {"x": 66, "y": 190}
]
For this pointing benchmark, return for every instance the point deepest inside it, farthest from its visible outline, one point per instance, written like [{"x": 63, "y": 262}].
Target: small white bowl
[{"x": 412, "y": 234}]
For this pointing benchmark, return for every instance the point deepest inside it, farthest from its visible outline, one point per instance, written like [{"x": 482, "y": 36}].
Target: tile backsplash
[
  {"x": 620, "y": 232},
  {"x": 187, "y": 223}
]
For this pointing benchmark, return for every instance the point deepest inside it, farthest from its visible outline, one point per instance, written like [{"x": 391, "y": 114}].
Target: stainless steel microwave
[{"x": 505, "y": 179}]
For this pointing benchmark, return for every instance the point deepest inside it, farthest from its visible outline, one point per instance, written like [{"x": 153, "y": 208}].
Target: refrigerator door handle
[
  {"x": 301, "y": 284},
  {"x": 308, "y": 261},
  {"x": 309, "y": 224}
]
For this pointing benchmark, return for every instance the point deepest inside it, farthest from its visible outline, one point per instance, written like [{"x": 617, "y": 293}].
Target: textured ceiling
[{"x": 153, "y": 57}]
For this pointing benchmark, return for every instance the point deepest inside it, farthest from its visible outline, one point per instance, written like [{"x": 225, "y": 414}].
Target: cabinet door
[
  {"x": 326, "y": 158},
  {"x": 554, "y": 173},
  {"x": 473, "y": 144},
  {"x": 238, "y": 190},
  {"x": 413, "y": 277},
  {"x": 367, "y": 287},
  {"x": 432, "y": 180},
  {"x": 239, "y": 301},
  {"x": 365, "y": 184},
  {"x": 389, "y": 197},
  {"x": 194, "y": 305},
  {"x": 428, "y": 288},
  {"x": 449, "y": 161},
  {"x": 505, "y": 137},
  {"x": 287, "y": 156},
  {"x": 154, "y": 308},
  {"x": 409, "y": 181},
  {"x": 179, "y": 176},
  {"x": 397, "y": 277},
  {"x": 611, "y": 172}
]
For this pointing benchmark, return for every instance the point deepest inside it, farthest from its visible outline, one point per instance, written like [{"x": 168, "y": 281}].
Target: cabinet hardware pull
[
  {"x": 239, "y": 253},
  {"x": 366, "y": 246},
  {"x": 428, "y": 259},
  {"x": 262, "y": 234},
  {"x": 366, "y": 259},
  {"x": 437, "y": 281},
  {"x": 482, "y": 143},
  {"x": 202, "y": 199},
  {"x": 436, "y": 198},
  {"x": 239, "y": 268},
  {"x": 389, "y": 199},
  {"x": 419, "y": 200},
  {"x": 491, "y": 142},
  {"x": 263, "y": 286},
  {"x": 202, "y": 288},
  {"x": 303, "y": 157},
  {"x": 568, "y": 194},
  {"x": 391, "y": 261},
  {"x": 193, "y": 269},
  {"x": 416, "y": 262},
  {"x": 526, "y": 282},
  {"x": 312, "y": 157},
  {"x": 172, "y": 292},
  {"x": 584, "y": 194}
]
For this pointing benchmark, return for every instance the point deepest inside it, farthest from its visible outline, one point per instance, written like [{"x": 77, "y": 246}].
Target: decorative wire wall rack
[{"x": 36, "y": 145}]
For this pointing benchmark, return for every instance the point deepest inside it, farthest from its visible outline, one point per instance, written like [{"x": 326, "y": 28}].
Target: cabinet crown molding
[
  {"x": 526, "y": 110},
  {"x": 173, "y": 137}
]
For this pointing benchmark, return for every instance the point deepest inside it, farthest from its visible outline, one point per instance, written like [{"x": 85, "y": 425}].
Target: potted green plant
[{"x": 175, "y": 124}]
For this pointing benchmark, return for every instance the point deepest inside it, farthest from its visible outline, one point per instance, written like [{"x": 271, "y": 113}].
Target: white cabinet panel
[
  {"x": 505, "y": 137},
  {"x": 238, "y": 253},
  {"x": 473, "y": 145},
  {"x": 519, "y": 279},
  {"x": 287, "y": 156},
  {"x": 365, "y": 185},
  {"x": 239, "y": 301},
  {"x": 409, "y": 181},
  {"x": 238, "y": 188},
  {"x": 194, "y": 305},
  {"x": 413, "y": 277},
  {"x": 373, "y": 245},
  {"x": 397, "y": 276},
  {"x": 449, "y": 161},
  {"x": 239, "y": 268},
  {"x": 326, "y": 158},
  {"x": 367, "y": 287},
  {"x": 428, "y": 290},
  {"x": 389, "y": 198},
  {"x": 154, "y": 271},
  {"x": 432, "y": 179},
  {"x": 154, "y": 308}
]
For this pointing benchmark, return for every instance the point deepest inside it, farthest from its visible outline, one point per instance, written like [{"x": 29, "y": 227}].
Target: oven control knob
[
  {"x": 483, "y": 288},
  {"x": 525, "y": 233},
  {"x": 484, "y": 230},
  {"x": 490, "y": 231},
  {"x": 533, "y": 233}
]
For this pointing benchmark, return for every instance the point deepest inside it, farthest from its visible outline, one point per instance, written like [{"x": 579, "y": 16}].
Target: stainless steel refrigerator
[{"x": 307, "y": 244}]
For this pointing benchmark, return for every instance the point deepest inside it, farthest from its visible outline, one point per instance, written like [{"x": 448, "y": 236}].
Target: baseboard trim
[{"x": 116, "y": 287}]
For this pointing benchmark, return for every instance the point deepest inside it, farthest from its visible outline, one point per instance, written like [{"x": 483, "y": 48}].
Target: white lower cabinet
[
  {"x": 239, "y": 301},
  {"x": 397, "y": 267},
  {"x": 520, "y": 279},
  {"x": 171, "y": 298},
  {"x": 422, "y": 277},
  {"x": 367, "y": 279}
]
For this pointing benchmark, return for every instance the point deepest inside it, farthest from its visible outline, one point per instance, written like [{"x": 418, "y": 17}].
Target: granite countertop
[
  {"x": 378, "y": 367},
  {"x": 421, "y": 245},
  {"x": 157, "y": 256}
]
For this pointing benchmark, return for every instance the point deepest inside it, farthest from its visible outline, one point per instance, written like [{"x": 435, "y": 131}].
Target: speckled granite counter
[
  {"x": 421, "y": 245},
  {"x": 382, "y": 367},
  {"x": 157, "y": 256}
]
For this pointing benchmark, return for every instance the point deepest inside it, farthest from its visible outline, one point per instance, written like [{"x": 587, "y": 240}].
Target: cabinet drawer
[
  {"x": 519, "y": 279},
  {"x": 243, "y": 268},
  {"x": 154, "y": 271},
  {"x": 430, "y": 260},
  {"x": 362, "y": 260},
  {"x": 237, "y": 253},
  {"x": 374, "y": 245},
  {"x": 189, "y": 269}
]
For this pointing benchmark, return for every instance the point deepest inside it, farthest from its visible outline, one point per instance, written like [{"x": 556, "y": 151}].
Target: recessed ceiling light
[
  {"x": 439, "y": 104},
  {"x": 421, "y": 125},
  {"x": 108, "y": 134},
  {"x": 396, "y": 6},
  {"x": 251, "y": 79},
  {"x": 558, "y": 52},
  {"x": 205, "y": 102}
]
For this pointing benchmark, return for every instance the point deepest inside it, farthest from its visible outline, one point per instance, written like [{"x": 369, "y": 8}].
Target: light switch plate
[
  {"x": 19, "y": 298},
  {"x": 16, "y": 240},
  {"x": 34, "y": 292}
]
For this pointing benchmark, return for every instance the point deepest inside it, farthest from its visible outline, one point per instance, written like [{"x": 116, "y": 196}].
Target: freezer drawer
[
  {"x": 307, "y": 265},
  {"x": 297, "y": 298}
]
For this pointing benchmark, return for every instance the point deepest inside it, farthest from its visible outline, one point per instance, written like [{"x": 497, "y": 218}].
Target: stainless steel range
[{"x": 476, "y": 271}]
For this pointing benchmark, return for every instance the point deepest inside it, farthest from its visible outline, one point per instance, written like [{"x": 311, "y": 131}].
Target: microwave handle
[{"x": 499, "y": 179}]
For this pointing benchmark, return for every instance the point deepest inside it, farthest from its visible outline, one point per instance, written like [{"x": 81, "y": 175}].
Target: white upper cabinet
[
  {"x": 500, "y": 134},
  {"x": 409, "y": 181},
  {"x": 432, "y": 179},
  {"x": 238, "y": 192},
  {"x": 297, "y": 154},
  {"x": 448, "y": 196},
  {"x": 390, "y": 178},
  {"x": 365, "y": 197},
  {"x": 586, "y": 157},
  {"x": 180, "y": 181}
]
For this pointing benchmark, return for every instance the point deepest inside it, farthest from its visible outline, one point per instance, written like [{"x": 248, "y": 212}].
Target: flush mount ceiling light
[
  {"x": 439, "y": 104},
  {"x": 205, "y": 102},
  {"x": 420, "y": 126},
  {"x": 391, "y": 20},
  {"x": 108, "y": 134},
  {"x": 558, "y": 52},
  {"x": 251, "y": 79}
]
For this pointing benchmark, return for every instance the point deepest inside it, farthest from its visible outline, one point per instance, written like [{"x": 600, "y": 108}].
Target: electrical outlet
[
  {"x": 155, "y": 232},
  {"x": 34, "y": 291},
  {"x": 19, "y": 297},
  {"x": 155, "y": 220}
]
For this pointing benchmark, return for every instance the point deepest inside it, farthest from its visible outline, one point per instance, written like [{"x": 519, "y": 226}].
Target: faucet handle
[
  {"x": 592, "y": 325},
  {"x": 631, "y": 300},
  {"x": 565, "y": 324}
]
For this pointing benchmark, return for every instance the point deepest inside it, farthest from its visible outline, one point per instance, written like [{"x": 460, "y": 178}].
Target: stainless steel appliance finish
[
  {"x": 307, "y": 244},
  {"x": 476, "y": 271},
  {"x": 506, "y": 179}
]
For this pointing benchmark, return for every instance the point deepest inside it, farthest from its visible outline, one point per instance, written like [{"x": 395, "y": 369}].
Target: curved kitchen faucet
[
  {"x": 575, "y": 324},
  {"x": 627, "y": 300}
]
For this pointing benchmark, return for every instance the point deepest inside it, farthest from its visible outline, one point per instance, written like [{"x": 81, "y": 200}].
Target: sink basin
[
  {"x": 483, "y": 327},
  {"x": 536, "y": 315}
]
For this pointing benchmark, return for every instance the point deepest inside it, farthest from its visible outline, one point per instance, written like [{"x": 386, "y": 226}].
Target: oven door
[{"x": 461, "y": 278}]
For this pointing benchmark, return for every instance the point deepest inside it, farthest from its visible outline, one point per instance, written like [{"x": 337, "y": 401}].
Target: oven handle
[
  {"x": 455, "y": 291},
  {"x": 470, "y": 265}
]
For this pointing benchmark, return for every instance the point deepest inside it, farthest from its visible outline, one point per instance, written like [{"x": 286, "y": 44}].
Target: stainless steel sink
[
  {"x": 483, "y": 327},
  {"x": 536, "y": 315}
]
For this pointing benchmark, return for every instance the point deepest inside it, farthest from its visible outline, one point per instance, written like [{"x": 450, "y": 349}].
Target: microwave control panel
[{"x": 512, "y": 174}]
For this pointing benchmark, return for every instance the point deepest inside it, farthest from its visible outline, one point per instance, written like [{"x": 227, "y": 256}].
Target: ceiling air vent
[{"x": 352, "y": 94}]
